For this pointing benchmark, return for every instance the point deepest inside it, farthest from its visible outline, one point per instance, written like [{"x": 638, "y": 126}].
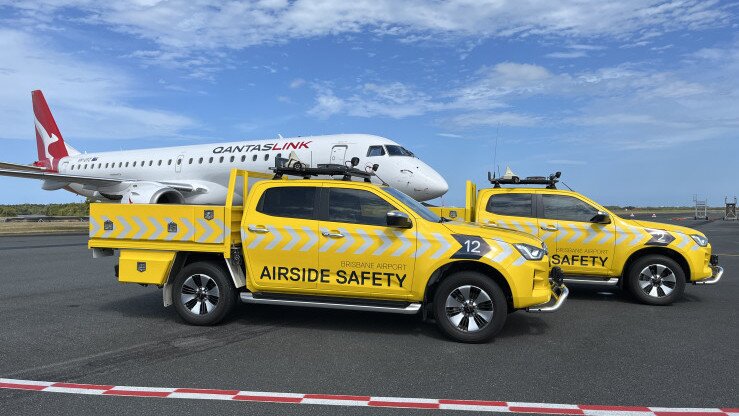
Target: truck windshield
[
  {"x": 416, "y": 206},
  {"x": 394, "y": 150}
]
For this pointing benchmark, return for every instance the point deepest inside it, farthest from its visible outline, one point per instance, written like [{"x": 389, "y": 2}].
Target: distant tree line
[{"x": 78, "y": 209}]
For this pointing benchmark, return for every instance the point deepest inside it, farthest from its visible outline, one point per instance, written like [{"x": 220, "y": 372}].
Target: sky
[{"x": 636, "y": 102}]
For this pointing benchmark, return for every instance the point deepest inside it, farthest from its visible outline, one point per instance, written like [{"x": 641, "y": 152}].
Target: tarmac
[{"x": 65, "y": 318}]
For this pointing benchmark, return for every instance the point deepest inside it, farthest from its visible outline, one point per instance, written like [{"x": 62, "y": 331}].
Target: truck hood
[
  {"x": 503, "y": 234},
  {"x": 663, "y": 226}
]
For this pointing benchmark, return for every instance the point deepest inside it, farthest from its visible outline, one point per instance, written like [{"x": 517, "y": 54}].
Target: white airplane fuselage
[{"x": 207, "y": 167}]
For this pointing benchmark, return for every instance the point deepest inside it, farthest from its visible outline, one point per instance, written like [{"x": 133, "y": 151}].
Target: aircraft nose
[{"x": 435, "y": 184}]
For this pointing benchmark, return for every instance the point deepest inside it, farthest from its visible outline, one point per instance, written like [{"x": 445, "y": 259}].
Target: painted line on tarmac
[{"x": 350, "y": 401}]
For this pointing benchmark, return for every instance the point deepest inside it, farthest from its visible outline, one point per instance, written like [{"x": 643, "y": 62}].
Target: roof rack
[
  {"x": 550, "y": 181},
  {"x": 346, "y": 172}
]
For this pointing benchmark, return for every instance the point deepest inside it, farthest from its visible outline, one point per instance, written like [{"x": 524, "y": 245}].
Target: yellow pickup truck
[
  {"x": 342, "y": 244},
  {"x": 592, "y": 245}
]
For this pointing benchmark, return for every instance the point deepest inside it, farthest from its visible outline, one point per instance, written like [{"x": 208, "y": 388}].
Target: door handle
[
  {"x": 332, "y": 235},
  {"x": 255, "y": 229},
  {"x": 549, "y": 227}
]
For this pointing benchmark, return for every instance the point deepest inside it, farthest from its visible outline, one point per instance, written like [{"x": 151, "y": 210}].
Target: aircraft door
[
  {"x": 579, "y": 246},
  {"x": 338, "y": 154},
  {"x": 178, "y": 165}
]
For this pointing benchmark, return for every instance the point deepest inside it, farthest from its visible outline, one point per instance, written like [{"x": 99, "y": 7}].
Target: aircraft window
[
  {"x": 232, "y": 158},
  {"x": 266, "y": 156},
  {"x": 254, "y": 158},
  {"x": 134, "y": 163},
  {"x": 395, "y": 150},
  {"x": 356, "y": 206},
  {"x": 159, "y": 163},
  {"x": 515, "y": 205},
  {"x": 85, "y": 165},
  {"x": 169, "y": 162},
  {"x": 179, "y": 161},
  {"x": 200, "y": 161},
  {"x": 289, "y": 201},
  {"x": 375, "y": 151},
  {"x": 279, "y": 156},
  {"x": 72, "y": 167},
  {"x": 221, "y": 159},
  {"x": 126, "y": 164},
  {"x": 210, "y": 160},
  {"x": 143, "y": 162},
  {"x": 243, "y": 158},
  {"x": 567, "y": 208},
  {"x": 151, "y": 162}
]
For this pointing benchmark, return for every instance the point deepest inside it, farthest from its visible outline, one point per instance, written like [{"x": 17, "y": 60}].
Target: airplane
[{"x": 199, "y": 174}]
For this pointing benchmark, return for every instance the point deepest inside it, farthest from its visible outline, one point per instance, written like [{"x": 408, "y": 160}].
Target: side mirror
[
  {"x": 601, "y": 218},
  {"x": 398, "y": 219}
]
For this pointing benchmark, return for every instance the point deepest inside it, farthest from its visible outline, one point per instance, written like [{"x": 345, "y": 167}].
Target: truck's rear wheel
[
  {"x": 469, "y": 307},
  {"x": 203, "y": 294},
  {"x": 656, "y": 280}
]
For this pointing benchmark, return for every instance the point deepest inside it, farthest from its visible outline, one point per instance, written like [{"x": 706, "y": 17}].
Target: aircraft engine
[{"x": 152, "y": 193}]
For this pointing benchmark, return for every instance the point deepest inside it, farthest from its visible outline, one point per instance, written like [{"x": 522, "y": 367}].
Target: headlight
[
  {"x": 530, "y": 252},
  {"x": 700, "y": 240},
  {"x": 659, "y": 237}
]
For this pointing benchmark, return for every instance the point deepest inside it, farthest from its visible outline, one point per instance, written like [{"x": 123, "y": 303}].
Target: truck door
[
  {"x": 364, "y": 255},
  {"x": 338, "y": 154},
  {"x": 281, "y": 239},
  {"x": 579, "y": 246},
  {"x": 512, "y": 210}
]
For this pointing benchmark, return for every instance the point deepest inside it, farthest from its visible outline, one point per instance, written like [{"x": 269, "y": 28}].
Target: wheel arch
[
  {"x": 232, "y": 268},
  {"x": 646, "y": 251},
  {"x": 470, "y": 266}
]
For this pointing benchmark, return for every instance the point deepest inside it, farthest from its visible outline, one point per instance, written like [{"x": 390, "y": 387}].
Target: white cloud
[
  {"x": 191, "y": 29},
  {"x": 297, "y": 83},
  {"x": 88, "y": 101},
  {"x": 450, "y": 135},
  {"x": 566, "y": 55},
  {"x": 486, "y": 119}
]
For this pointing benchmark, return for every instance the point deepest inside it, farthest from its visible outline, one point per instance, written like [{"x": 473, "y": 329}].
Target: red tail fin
[{"x": 49, "y": 141}]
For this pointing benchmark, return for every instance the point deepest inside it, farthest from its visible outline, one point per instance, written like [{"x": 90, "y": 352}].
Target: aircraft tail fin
[{"x": 49, "y": 141}]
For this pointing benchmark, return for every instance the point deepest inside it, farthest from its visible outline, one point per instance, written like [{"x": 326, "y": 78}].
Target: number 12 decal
[{"x": 472, "y": 247}]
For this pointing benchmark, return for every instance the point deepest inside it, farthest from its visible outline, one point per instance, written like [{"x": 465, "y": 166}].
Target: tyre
[
  {"x": 656, "y": 280},
  {"x": 203, "y": 294},
  {"x": 470, "y": 307}
]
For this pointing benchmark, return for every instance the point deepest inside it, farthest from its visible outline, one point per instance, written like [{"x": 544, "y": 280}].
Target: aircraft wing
[
  {"x": 84, "y": 180},
  {"x": 16, "y": 166}
]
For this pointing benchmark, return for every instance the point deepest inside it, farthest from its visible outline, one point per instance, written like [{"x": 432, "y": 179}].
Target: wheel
[
  {"x": 203, "y": 294},
  {"x": 469, "y": 307},
  {"x": 656, "y": 280}
]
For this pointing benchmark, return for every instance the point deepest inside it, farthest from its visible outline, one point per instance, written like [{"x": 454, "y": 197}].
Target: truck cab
[
  {"x": 591, "y": 244},
  {"x": 340, "y": 244}
]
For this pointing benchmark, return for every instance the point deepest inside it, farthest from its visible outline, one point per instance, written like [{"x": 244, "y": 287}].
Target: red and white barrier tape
[{"x": 371, "y": 401}]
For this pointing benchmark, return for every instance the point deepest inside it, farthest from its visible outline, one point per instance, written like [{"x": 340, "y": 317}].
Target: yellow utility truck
[
  {"x": 342, "y": 244},
  {"x": 653, "y": 261}
]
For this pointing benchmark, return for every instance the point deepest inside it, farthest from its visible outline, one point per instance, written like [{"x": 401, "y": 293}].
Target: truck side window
[
  {"x": 515, "y": 205},
  {"x": 375, "y": 151},
  {"x": 288, "y": 201},
  {"x": 356, "y": 206},
  {"x": 567, "y": 208}
]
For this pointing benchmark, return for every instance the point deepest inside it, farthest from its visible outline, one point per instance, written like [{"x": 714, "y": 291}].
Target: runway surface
[{"x": 65, "y": 318}]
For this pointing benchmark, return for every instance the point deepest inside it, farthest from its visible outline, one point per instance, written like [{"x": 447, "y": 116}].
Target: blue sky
[{"x": 637, "y": 102}]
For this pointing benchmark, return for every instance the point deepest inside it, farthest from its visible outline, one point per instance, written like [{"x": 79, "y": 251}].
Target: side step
[
  {"x": 331, "y": 303},
  {"x": 591, "y": 280}
]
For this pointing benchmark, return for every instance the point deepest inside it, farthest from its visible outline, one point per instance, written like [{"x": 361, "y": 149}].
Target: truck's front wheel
[
  {"x": 656, "y": 280},
  {"x": 203, "y": 294},
  {"x": 470, "y": 307}
]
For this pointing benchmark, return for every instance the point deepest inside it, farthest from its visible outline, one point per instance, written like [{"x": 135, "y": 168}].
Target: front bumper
[
  {"x": 718, "y": 271},
  {"x": 559, "y": 293}
]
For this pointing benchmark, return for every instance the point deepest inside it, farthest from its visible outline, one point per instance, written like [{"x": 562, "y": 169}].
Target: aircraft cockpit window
[
  {"x": 395, "y": 150},
  {"x": 375, "y": 151}
]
